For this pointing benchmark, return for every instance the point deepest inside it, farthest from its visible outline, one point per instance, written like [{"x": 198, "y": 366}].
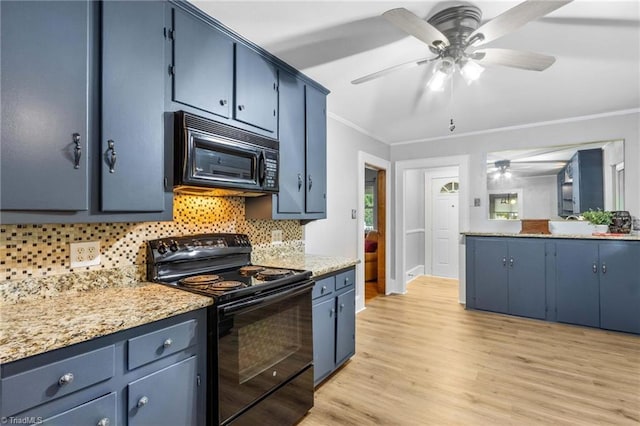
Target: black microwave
[{"x": 215, "y": 159}]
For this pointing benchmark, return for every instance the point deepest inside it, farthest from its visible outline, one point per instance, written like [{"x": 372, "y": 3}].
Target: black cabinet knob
[{"x": 241, "y": 107}]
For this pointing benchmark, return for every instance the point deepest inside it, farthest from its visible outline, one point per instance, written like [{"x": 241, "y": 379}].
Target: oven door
[
  {"x": 262, "y": 343},
  {"x": 213, "y": 161}
]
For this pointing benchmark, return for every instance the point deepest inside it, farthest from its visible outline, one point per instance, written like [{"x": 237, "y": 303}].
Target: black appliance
[
  {"x": 260, "y": 343},
  {"x": 216, "y": 159}
]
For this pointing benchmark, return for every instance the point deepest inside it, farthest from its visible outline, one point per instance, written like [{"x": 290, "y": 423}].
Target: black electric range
[{"x": 260, "y": 350}]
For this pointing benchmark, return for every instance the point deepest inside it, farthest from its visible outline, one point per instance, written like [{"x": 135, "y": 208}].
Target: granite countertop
[
  {"x": 317, "y": 264},
  {"x": 36, "y": 325},
  {"x": 630, "y": 237}
]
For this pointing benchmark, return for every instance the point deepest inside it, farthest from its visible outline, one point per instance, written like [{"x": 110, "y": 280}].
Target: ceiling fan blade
[
  {"x": 514, "y": 18},
  {"x": 382, "y": 73},
  {"x": 514, "y": 58},
  {"x": 419, "y": 28}
]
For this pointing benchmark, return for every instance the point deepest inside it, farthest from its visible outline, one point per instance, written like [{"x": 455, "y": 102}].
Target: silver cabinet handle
[
  {"x": 223, "y": 102},
  {"x": 299, "y": 182},
  {"x": 111, "y": 159},
  {"x": 142, "y": 402},
  {"x": 310, "y": 183},
  {"x": 167, "y": 343},
  {"x": 324, "y": 288},
  {"x": 511, "y": 262},
  {"x": 504, "y": 261},
  {"x": 594, "y": 267},
  {"x": 104, "y": 422},
  {"x": 241, "y": 107},
  {"x": 65, "y": 379},
  {"x": 341, "y": 307},
  {"x": 77, "y": 151},
  {"x": 604, "y": 268},
  {"x": 331, "y": 312}
]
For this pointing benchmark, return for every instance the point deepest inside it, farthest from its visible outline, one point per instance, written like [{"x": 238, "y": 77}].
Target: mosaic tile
[{"x": 42, "y": 250}]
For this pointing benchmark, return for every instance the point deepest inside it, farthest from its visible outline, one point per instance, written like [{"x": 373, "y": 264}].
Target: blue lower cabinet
[
  {"x": 100, "y": 412},
  {"x": 334, "y": 322},
  {"x": 577, "y": 283},
  {"x": 90, "y": 383},
  {"x": 166, "y": 397},
  {"x": 588, "y": 282},
  {"x": 620, "y": 286}
]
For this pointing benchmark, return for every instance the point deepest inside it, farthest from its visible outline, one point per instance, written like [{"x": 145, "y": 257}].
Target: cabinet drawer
[
  {"x": 101, "y": 411},
  {"x": 158, "y": 344},
  {"x": 52, "y": 381},
  {"x": 323, "y": 287},
  {"x": 345, "y": 279}
]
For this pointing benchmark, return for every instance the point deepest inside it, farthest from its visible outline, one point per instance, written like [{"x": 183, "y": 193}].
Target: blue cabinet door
[
  {"x": 346, "y": 326},
  {"x": 316, "y": 151},
  {"x": 620, "y": 286},
  {"x": 324, "y": 335},
  {"x": 256, "y": 101},
  {"x": 133, "y": 71},
  {"x": 292, "y": 145},
  {"x": 577, "y": 283},
  {"x": 166, "y": 397},
  {"x": 202, "y": 65},
  {"x": 44, "y": 100},
  {"x": 527, "y": 278},
  {"x": 491, "y": 275}
]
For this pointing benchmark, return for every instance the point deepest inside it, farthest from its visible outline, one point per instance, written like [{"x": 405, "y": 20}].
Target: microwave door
[{"x": 217, "y": 162}]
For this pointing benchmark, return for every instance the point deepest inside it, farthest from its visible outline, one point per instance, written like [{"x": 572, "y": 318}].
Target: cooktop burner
[
  {"x": 226, "y": 285},
  {"x": 251, "y": 269},
  {"x": 273, "y": 274},
  {"x": 199, "y": 280}
]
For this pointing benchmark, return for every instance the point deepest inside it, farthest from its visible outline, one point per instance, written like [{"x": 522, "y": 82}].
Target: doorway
[
  {"x": 381, "y": 168},
  {"x": 375, "y": 231},
  {"x": 442, "y": 222}
]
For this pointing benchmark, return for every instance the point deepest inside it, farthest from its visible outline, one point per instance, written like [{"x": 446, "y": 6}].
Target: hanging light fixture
[
  {"x": 502, "y": 169},
  {"x": 470, "y": 71},
  {"x": 441, "y": 73}
]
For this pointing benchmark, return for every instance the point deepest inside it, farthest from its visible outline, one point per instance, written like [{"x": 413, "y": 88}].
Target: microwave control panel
[{"x": 271, "y": 171}]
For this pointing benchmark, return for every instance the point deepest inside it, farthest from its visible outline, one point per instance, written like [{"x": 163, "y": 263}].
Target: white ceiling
[{"x": 596, "y": 43}]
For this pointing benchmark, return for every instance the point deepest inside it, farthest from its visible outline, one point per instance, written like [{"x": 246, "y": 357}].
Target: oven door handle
[{"x": 267, "y": 300}]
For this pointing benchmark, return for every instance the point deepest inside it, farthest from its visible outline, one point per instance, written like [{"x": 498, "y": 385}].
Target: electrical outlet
[
  {"x": 84, "y": 254},
  {"x": 276, "y": 236}
]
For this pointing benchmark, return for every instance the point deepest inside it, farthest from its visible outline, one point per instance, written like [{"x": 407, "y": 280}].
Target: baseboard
[{"x": 414, "y": 272}]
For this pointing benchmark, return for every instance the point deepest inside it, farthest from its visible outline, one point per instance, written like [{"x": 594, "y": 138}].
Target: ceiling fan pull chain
[{"x": 452, "y": 126}]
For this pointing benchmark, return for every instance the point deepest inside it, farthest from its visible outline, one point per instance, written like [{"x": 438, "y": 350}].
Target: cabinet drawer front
[
  {"x": 323, "y": 287},
  {"x": 345, "y": 279},
  {"x": 158, "y": 344},
  {"x": 99, "y": 411},
  {"x": 61, "y": 378},
  {"x": 166, "y": 397}
]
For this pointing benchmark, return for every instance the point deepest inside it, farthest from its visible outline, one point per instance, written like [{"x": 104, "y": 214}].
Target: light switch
[
  {"x": 354, "y": 214},
  {"x": 476, "y": 202}
]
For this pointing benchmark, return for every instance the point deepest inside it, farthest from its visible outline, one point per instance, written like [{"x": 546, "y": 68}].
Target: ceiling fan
[{"x": 454, "y": 35}]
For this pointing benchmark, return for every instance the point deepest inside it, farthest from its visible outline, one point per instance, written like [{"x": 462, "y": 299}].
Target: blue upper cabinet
[
  {"x": 316, "y": 151},
  {"x": 46, "y": 145},
  {"x": 202, "y": 68},
  {"x": 133, "y": 79},
  {"x": 290, "y": 198},
  {"x": 256, "y": 90}
]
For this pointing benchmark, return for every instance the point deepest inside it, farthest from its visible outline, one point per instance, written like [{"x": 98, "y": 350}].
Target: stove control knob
[
  {"x": 173, "y": 245},
  {"x": 162, "y": 248}
]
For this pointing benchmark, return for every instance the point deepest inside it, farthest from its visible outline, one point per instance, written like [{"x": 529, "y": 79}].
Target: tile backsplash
[{"x": 43, "y": 250}]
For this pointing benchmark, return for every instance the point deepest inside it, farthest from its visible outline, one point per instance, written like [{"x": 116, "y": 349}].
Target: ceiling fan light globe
[
  {"x": 471, "y": 71},
  {"x": 437, "y": 81}
]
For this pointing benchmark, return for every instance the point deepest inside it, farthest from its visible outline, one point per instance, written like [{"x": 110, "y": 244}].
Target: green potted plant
[{"x": 600, "y": 218}]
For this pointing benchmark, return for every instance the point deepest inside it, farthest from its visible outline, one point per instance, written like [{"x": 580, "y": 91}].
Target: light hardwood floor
[{"x": 422, "y": 359}]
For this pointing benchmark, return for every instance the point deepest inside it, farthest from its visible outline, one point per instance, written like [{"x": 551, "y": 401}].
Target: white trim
[
  {"x": 354, "y": 126},
  {"x": 364, "y": 159},
  {"x": 414, "y": 273},
  {"x": 460, "y": 161},
  {"x": 521, "y": 126},
  {"x": 414, "y": 231}
]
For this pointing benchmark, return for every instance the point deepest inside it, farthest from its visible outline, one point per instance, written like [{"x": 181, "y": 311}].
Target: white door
[{"x": 444, "y": 226}]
